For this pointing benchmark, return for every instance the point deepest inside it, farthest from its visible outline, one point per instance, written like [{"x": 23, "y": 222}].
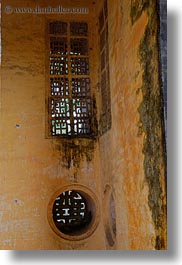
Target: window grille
[
  {"x": 70, "y": 105},
  {"x": 70, "y": 212}
]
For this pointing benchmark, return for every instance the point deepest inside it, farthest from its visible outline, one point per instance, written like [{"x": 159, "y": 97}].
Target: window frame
[{"x": 93, "y": 120}]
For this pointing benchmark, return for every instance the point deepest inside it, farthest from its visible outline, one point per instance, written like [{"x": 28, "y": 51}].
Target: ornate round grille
[{"x": 70, "y": 212}]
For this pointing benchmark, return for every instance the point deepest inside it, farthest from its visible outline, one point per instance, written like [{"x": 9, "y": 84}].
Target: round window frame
[
  {"x": 90, "y": 198},
  {"x": 107, "y": 216}
]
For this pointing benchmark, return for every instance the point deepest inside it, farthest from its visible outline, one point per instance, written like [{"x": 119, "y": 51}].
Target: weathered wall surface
[
  {"x": 33, "y": 167},
  {"x": 133, "y": 160},
  {"x": 124, "y": 167}
]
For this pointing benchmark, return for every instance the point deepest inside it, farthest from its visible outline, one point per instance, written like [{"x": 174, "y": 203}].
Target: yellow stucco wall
[{"x": 33, "y": 167}]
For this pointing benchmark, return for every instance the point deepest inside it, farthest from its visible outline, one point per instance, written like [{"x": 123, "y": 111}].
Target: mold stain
[
  {"x": 75, "y": 150},
  {"x": 151, "y": 118}
]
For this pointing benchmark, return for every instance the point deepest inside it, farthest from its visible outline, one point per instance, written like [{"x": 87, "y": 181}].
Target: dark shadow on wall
[{"x": 173, "y": 251}]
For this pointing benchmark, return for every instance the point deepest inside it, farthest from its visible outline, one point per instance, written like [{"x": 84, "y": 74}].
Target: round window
[
  {"x": 109, "y": 216},
  {"x": 73, "y": 212},
  {"x": 70, "y": 212}
]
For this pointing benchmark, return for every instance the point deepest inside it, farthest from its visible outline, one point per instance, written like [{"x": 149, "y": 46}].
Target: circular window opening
[
  {"x": 73, "y": 212},
  {"x": 109, "y": 216}
]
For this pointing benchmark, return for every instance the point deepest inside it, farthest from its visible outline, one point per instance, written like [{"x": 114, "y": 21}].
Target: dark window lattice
[
  {"x": 70, "y": 106},
  {"x": 58, "y": 27},
  {"x": 81, "y": 87},
  {"x": 79, "y": 46},
  {"x": 58, "y": 45},
  {"x": 78, "y": 29},
  {"x": 79, "y": 66},
  {"x": 59, "y": 86},
  {"x": 58, "y": 66},
  {"x": 70, "y": 213}
]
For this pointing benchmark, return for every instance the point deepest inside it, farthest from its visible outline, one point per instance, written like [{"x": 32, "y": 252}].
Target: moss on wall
[
  {"x": 137, "y": 7},
  {"x": 151, "y": 117}
]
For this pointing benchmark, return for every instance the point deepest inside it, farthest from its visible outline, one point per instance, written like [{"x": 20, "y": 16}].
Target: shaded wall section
[{"x": 163, "y": 52}]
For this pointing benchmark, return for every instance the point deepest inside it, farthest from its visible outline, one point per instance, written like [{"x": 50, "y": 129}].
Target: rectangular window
[{"x": 70, "y": 105}]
